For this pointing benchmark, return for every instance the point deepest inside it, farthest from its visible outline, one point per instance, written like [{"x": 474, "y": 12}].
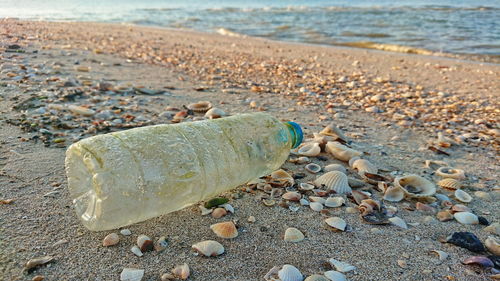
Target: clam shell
[
  {"x": 145, "y": 243},
  {"x": 313, "y": 168},
  {"x": 492, "y": 245},
  {"x": 181, "y": 271},
  {"x": 290, "y": 273},
  {"x": 449, "y": 184},
  {"x": 317, "y": 199},
  {"x": 228, "y": 207},
  {"x": 214, "y": 113},
  {"x": 219, "y": 213},
  {"x": 334, "y": 202},
  {"x": 310, "y": 149},
  {"x": 333, "y": 131},
  {"x": 394, "y": 194},
  {"x": 110, "y": 240},
  {"x": 397, "y": 221},
  {"x": 352, "y": 160},
  {"x": 460, "y": 208},
  {"x": 316, "y": 206},
  {"x": 466, "y": 218},
  {"x": 291, "y": 196},
  {"x": 336, "y": 222},
  {"x": 131, "y": 274},
  {"x": 300, "y": 160},
  {"x": 363, "y": 165},
  {"x": 283, "y": 177},
  {"x": 462, "y": 196},
  {"x": 415, "y": 186},
  {"x": 209, "y": 248},
  {"x": 201, "y": 106},
  {"x": 226, "y": 230},
  {"x": 292, "y": 234},
  {"x": 34, "y": 262},
  {"x": 334, "y": 180},
  {"x": 447, "y": 172},
  {"x": 335, "y": 167},
  {"x": 317, "y": 277},
  {"x": 306, "y": 186},
  {"x": 335, "y": 276},
  {"x": 341, "y": 266},
  {"x": 340, "y": 151}
]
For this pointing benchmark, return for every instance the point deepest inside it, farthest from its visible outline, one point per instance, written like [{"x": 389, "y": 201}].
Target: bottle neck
[{"x": 295, "y": 132}]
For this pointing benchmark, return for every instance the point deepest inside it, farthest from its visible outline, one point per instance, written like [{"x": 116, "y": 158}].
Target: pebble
[
  {"x": 131, "y": 274},
  {"x": 251, "y": 219},
  {"x": 125, "y": 232},
  {"x": 145, "y": 243},
  {"x": 110, "y": 240},
  {"x": 136, "y": 251}
]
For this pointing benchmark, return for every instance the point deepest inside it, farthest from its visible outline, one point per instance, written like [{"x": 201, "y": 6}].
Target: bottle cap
[{"x": 296, "y": 132}]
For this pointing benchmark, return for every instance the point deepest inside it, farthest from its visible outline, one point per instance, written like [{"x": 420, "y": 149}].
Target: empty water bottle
[{"x": 126, "y": 177}]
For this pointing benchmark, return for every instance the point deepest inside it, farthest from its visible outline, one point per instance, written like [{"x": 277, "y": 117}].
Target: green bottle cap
[{"x": 296, "y": 132}]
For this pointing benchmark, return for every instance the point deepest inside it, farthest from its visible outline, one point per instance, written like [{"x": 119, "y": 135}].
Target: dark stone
[
  {"x": 483, "y": 221},
  {"x": 495, "y": 260},
  {"x": 466, "y": 240}
]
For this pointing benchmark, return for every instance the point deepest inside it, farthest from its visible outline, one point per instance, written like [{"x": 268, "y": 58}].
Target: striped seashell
[
  {"x": 335, "y": 167},
  {"x": 341, "y": 152},
  {"x": 449, "y": 184},
  {"x": 334, "y": 180},
  {"x": 290, "y": 273},
  {"x": 226, "y": 230},
  {"x": 363, "y": 165},
  {"x": 448, "y": 172}
]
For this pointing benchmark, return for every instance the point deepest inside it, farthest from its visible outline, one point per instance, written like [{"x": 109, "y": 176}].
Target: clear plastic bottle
[{"x": 126, "y": 177}]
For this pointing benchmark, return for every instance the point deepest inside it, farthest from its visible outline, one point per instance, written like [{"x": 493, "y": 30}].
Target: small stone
[
  {"x": 161, "y": 244},
  {"x": 402, "y": 263},
  {"x": 125, "y": 232},
  {"x": 251, "y": 219},
  {"x": 145, "y": 243},
  {"x": 110, "y": 240},
  {"x": 136, "y": 251},
  {"x": 131, "y": 274},
  {"x": 483, "y": 220}
]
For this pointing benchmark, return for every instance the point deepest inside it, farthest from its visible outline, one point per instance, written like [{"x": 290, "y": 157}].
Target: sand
[{"x": 305, "y": 83}]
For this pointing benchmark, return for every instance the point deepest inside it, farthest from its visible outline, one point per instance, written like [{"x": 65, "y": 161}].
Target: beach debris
[
  {"x": 209, "y": 248},
  {"x": 493, "y": 228},
  {"x": 110, "y": 240},
  {"x": 316, "y": 206},
  {"x": 341, "y": 266},
  {"x": 444, "y": 216},
  {"x": 6, "y": 201},
  {"x": 290, "y": 273},
  {"x": 291, "y": 196},
  {"x": 492, "y": 245},
  {"x": 402, "y": 263},
  {"x": 292, "y": 234},
  {"x": 466, "y": 218},
  {"x": 216, "y": 202},
  {"x": 333, "y": 131},
  {"x": 334, "y": 202},
  {"x": 316, "y": 277},
  {"x": 394, "y": 194},
  {"x": 364, "y": 166},
  {"x": 161, "y": 244},
  {"x": 313, "y": 168},
  {"x": 334, "y": 180},
  {"x": 442, "y": 255},
  {"x": 306, "y": 186},
  {"x": 125, "y": 232},
  {"x": 226, "y": 230},
  {"x": 397, "y": 221},
  {"x": 251, "y": 219},
  {"x": 462, "y": 196},
  {"x": 335, "y": 275},
  {"x": 337, "y": 223},
  {"x": 33, "y": 263},
  {"x": 228, "y": 207},
  {"x": 218, "y": 213},
  {"x": 131, "y": 274},
  {"x": 215, "y": 113},
  {"x": 181, "y": 271},
  {"x": 341, "y": 152},
  {"x": 448, "y": 172},
  {"x": 449, "y": 184},
  {"x": 415, "y": 186},
  {"x": 309, "y": 149},
  {"x": 137, "y": 251},
  {"x": 479, "y": 260},
  {"x": 335, "y": 167},
  {"x": 281, "y": 178},
  {"x": 38, "y": 278},
  {"x": 201, "y": 106},
  {"x": 466, "y": 240},
  {"x": 145, "y": 243}
]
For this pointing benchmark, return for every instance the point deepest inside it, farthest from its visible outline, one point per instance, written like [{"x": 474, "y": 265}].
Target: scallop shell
[
  {"x": 336, "y": 222},
  {"x": 214, "y": 113},
  {"x": 181, "y": 271},
  {"x": 226, "y": 230},
  {"x": 310, "y": 149},
  {"x": 333, "y": 131},
  {"x": 449, "y": 184},
  {"x": 341, "y": 151},
  {"x": 462, "y": 196},
  {"x": 397, "y": 221},
  {"x": 448, "y": 172},
  {"x": 201, "y": 106},
  {"x": 110, "y": 240},
  {"x": 335, "y": 276},
  {"x": 466, "y": 218},
  {"x": 291, "y": 196},
  {"x": 209, "y": 248},
  {"x": 290, "y": 273},
  {"x": 334, "y": 202},
  {"x": 394, "y": 194},
  {"x": 145, "y": 243},
  {"x": 282, "y": 177},
  {"x": 492, "y": 245},
  {"x": 363, "y": 165},
  {"x": 335, "y": 167},
  {"x": 316, "y": 277},
  {"x": 306, "y": 186},
  {"x": 293, "y": 235},
  {"x": 316, "y": 206},
  {"x": 341, "y": 266},
  {"x": 415, "y": 186},
  {"x": 219, "y": 213},
  {"x": 313, "y": 168},
  {"x": 131, "y": 274},
  {"x": 334, "y": 180}
]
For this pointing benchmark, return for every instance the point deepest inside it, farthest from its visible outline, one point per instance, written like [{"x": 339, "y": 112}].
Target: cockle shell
[
  {"x": 466, "y": 218},
  {"x": 131, "y": 274},
  {"x": 292, "y": 234},
  {"x": 291, "y": 196},
  {"x": 306, "y": 186},
  {"x": 335, "y": 276},
  {"x": 447, "y": 172},
  {"x": 363, "y": 165},
  {"x": 462, "y": 196},
  {"x": 181, "y": 271},
  {"x": 316, "y": 277},
  {"x": 341, "y": 151},
  {"x": 313, "y": 168},
  {"x": 334, "y": 202},
  {"x": 310, "y": 149},
  {"x": 201, "y": 106},
  {"x": 394, "y": 194},
  {"x": 282, "y": 177},
  {"x": 415, "y": 186},
  {"x": 219, "y": 213},
  {"x": 334, "y": 180},
  {"x": 492, "y": 245},
  {"x": 209, "y": 248},
  {"x": 336, "y": 222},
  {"x": 449, "y": 184},
  {"x": 333, "y": 131},
  {"x": 110, "y": 240},
  {"x": 335, "y": 167},
  {"x": 214, "y": 113},
  {"x": 316, "y": 206},
  {"x": 226, "y": 230},
  {"x": 290, "y": 273},
  {"x": 341, "y": 266}
]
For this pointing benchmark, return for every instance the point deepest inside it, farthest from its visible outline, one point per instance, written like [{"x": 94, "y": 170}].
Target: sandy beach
[{"x": 391, "y": 105}]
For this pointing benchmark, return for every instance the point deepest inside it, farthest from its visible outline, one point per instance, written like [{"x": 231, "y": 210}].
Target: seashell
[
  {"x": 460, "y": 208},
  {"x": 214, "y": 113},
  {"x": 161, "y": 244},
  {"x": 479, "y": 260},
  {"x": 125, "y": 232},
  {"x": 335, "y": 167},
  {"x": 368, "y": 206},
  {"x": 216, "y": 202},
  {"x": 444, "y": 215},
  {"x": 336, "y": 222},
  {"x": 201, "y": 106},
  {"x": 35, "y": 262},
  {"x": 441, "y": 255},
  {"x": 363, "y": 165},
  {"x": 415, "y": 186},
  {"x": 304, "y": 202},
  {"x": 352, "y": 160},
  {"x": 334, "y": 180},
  {"x": 316, "y": 277},
  {"x": 435, "y": 164},
  {"x": 449, "y": 184},
  {"x": 466, "y": 240},
  {"x": 306, "y": 186},
  {"x": 145, "y": 243},
  {"x": 313, "y": 168},
  {"x": 424, "y": 208},
  {"x": 300, "y": 160},
  {"x": 340, "y": 151},
  {"x": 441, "y": 197},
  {"x": 317, "y": 199},
  {"x": 492, "y": 245},
  {"x": 316, "y": 206},
  {"x": 228, "y": 207},
  {"x": 269, "y": 202},
  {"x": 131, "y": 274},
  {"x": 333, "y": 131},
  {"x": 136, "y": 251},
  {"x": 271, "y": 272},
  {"x": 334, "y": 202},
  {"x": 493, "y": 228},
  {"x": 205, "y": 211},
  {"x": 341, "y": 266},
  {"x": 290, "y": 273},
  {"x": 359, "y": 196},
  {"x": 447, "y": 172},
  {"x": 321, "y": 140},
  {"x": 466, "y": 218},
  {"x": 110, "y": 240},
  {"x": 293, "y": 235},
  {"x": 335, "y": 276},
  {"x": 320, "y": 192},
  {"x": 394, "y": 194},
  {"x": 226, "y": 230},
  {"x": 462, "y": 196},
  {"x": 291, "y": 196},
  {"x": 355, "y": 182},
  {"x": 81, "y": 110},
  {"x": 181, "y": 271},
  {"x": 310, "y": 149},
  {"x": 219, "y": 213},
  {"x": 282, "y": 177},
  {"x": 209, "y": 248},
  {"x": 397, "y": 221},
  {"x": 444, "y": 141}
]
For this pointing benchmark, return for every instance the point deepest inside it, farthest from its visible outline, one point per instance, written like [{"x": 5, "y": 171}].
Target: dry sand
[{"x": 231, "y": 72}]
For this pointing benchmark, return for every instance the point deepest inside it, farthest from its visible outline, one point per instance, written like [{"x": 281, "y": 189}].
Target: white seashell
[
  {"x": 181, "y": 271},
  {"x": 462, "y": 196},
  {"x": 363, "y": 165},
  {"x": 336, "y": 222},
  {"x": 316, "y": 206},
  {"x": 466, "y": 218},
  {"x": 205, "y": 211},
  {"x": 306, "y": 186},
  {"x": 394, "y": 194},
  {"x": 397, "y": 221},
  {"x": 201, "y": 106},
  {"x": 209, "y": 248},
  {"x": 291, "y": 196},
  {"x": 290, "y": 273},
  {"x": 352, "y": 160},
  {"x": 415, "y": 186},
  {"x": 317, "y": 199},
  {"x": 214, "y": 113},
  {"x": 341, "y": 152},
  {"x": 334, "y": 202},
  {"x": 492, "y": 245},
  {"x": 131, "y": 274},
  {"x": 442, "y": 197},
  {"x": 341, "y": 266},
  {"x": 335, "y": 276},
  {"x": 493, "y": 228},
  {"x": 335, "y": 167},
  {"x": 334, "y": 180},
  {"x": 313, "y": 168},
  {"x": 448, "y": 172},
  {"x": 125, "y": 232},
  {"x": 333, "y": 131},
  {"x": 310, "y": 149},
  {"x": 293, "y": 235},
  {"x": 441, "y": 254},
  {"x": 136, "y": 251},
  {"x": 226, "y": 230},
  {"x": 228, "y": 207},
  {"x": 450, "y": 184},
  {"x": 304, "y": 202},
  {"x": 110, "y": 240},
  {"x": 317, "y": 277}
]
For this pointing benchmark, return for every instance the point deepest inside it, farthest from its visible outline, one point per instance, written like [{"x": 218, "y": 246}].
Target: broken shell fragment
[
  {"x": 282, "y": 178},
  {"x": 291, "y": 196},
  {"x": 161, "y": 244},
  {"x": 333, "y": 131},
  {"x": 415, "y": 186},
  {"x": 447, "y": 172},
  {"x": 300, "y": 160},
  {"x": 466, "y": 218},
  {"x": 335, "y": 276},
  {"x": 368, "y": 206},
  {"x": 310, "y": 149},
  {"x": 35, "y": 262},
  {"x": 462, "y": 196},
  {"x": 316, "y": 206},
  {"x": 214, "y": 113},
  {"x": 226, "y": 230},
  {"x": 201, "y": 106},
  {"x": 334, "y": 202},
  {"x": 292, "y": 234},
  {"x": 441, "y": 254},
  {"x": 131, "y": 274},
  {"x": 492, "y": 245},
  {"x": 444, "y": 215},
  {"x": 110, "y": 240},
  {"x": 219, "y": 213},
  {"x": 316, "y": 277},
  {"x": 306, "y": 186},
  {"x": 290, "y": 273},
  {"x": 335, "y": 167},
  {"x": 449, "y": 184},
  {"x": 181, "y": 271},
  {"x": 363, "y": 165},
  {"x": 136, "y": 251},
  {"x": 460, "y": 208},
  {"x": 336, "y": 222},
  {"x": 341, "y": 266},
  {"x": 334, "y": 180},
  {"x": 466, "y": 240},
  {"x": 313, "y": 168},
  {"x": 479, "y": 260},
  {"x": 209, "y": 248},
  {"x": 145, "y": 243},
  {"x": 341, "y": 152},
  {"x": 397, "y": 221},
  {"x": 394, "y": 194}
]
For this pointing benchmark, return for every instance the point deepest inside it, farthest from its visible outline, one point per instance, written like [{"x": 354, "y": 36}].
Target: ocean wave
[
  {"x": 388, "y": 47},
  {"x": 369, "y": 35}
]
